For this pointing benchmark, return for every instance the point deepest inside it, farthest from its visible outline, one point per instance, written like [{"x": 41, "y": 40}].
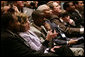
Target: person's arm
[
  {"x": 60, "y": 42},
  {"x": 69, "y": 30},
  {"x": 14, "y": 46},
  {"x": 71, "y": 41},
  {"x": 49, "y": 37},
  {"x": 65, "y": 42}
]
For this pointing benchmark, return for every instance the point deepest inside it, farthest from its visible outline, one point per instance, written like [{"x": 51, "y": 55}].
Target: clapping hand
[{"x": 51, "y": 35}]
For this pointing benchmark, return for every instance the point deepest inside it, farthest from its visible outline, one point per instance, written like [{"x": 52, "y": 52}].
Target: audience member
[{"x": 50, "y": 28}]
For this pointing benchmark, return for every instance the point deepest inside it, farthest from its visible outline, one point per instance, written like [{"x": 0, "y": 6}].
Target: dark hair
[
  {"x": 37, "y": 16},
  {"x": 64, "y": 14},
  {"x": 75, "y": 2},
  {"x": 11, "y": 10},
  {"x": 66, "y": 5},
  {"x": 32, "y": 4},
  {"x": 5, "y": 19},
  {"x": 42, "y": 2}
]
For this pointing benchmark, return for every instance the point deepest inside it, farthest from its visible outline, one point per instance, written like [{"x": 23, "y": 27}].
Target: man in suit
[
  {"x": 74, "y": 13},
  {"x": 79, "y": 5}
]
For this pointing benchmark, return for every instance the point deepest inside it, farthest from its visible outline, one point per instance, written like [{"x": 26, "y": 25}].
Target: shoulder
[
  {"x": 24, "y": 34},
  {"x": 6, "y": 35}
]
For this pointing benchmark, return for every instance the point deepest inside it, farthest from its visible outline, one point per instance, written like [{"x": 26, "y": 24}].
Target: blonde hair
[
  {"x": 43, "y": 7},
  {"x": 22, "y": 18}
]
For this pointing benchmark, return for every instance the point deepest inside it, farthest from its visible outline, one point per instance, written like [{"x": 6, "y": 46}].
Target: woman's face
[
  {"x": 25, "y": 26},
  {"x": 57, "y": 7}
]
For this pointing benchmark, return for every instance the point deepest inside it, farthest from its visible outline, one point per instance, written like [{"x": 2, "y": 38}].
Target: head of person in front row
[
  {"x": 79, "y": 5},
  {"x": 46, "y": 10},
  {"x": 10, "y": 21},
  {"x": 38, "y": 17},
  {"x": 69, "y": 6},
  {"x": 55, "y": 7}
]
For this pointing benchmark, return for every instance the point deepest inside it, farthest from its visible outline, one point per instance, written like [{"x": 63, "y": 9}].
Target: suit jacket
[
  {"x": 66, "y": 29},
  {"x": 75, "y": 15},
  {"x": 14, "y": 45}
]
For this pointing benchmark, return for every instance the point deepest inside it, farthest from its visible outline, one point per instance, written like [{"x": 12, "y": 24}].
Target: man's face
[
  {"x": 57, "y": 7},
  {"x": 71, "y": 6},
  {"x": 80, "y": 5}
]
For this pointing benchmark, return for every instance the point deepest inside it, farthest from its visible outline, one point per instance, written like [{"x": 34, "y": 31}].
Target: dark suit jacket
[
  {"x": 13, "y": 45},
  {"x": 76, "y": 17}
]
